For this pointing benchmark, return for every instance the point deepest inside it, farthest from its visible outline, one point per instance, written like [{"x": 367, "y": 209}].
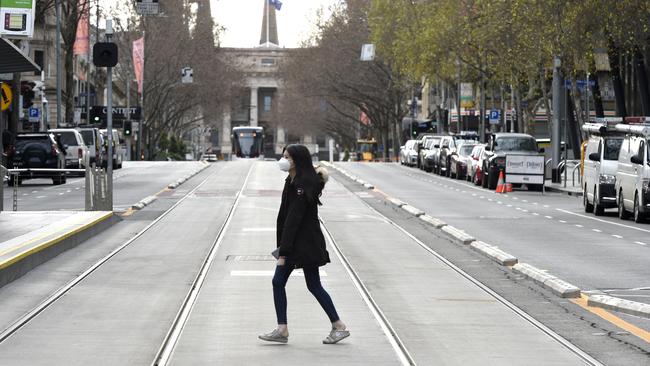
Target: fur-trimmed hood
[{"x": 322, "y": 173}]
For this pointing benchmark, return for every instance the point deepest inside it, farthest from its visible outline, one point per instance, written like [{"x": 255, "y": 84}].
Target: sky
[{"x": 243, "y": 20}]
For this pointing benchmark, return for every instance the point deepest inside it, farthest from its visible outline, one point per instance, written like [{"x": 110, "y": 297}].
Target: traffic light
[
  {"x": 27, "y": 91},
  {"x": 105, "y": 54},
  {"x": 127, "y": 128},
  {"x": 414, "y": 128}
]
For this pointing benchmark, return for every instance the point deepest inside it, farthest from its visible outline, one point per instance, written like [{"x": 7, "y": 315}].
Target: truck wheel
[
  {"x": 639, "y": 217},
  {"x": 585, "y": 201},
  {"x": 622, "y": 213}
]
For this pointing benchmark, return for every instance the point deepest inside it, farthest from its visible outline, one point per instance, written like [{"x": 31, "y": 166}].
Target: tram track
[{"x": 21, "y": 322}]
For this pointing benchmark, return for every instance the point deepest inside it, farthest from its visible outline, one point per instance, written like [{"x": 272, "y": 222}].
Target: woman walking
[{"x": 300, "y": 241}]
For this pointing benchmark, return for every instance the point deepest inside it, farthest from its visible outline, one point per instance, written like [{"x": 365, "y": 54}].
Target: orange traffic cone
[
  {"x": 501, "y": 186},
  {"x": 508, "y": 187}
]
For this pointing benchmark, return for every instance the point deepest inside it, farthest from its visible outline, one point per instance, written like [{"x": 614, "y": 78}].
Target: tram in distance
[{"x": 247, "y": 141}]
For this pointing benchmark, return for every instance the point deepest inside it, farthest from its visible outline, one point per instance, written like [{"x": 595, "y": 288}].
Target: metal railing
[
  {"x": 573, "y": 177},
  {"x": 97, "y": 198}
]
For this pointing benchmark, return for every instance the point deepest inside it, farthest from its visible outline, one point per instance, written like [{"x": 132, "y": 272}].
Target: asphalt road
[{"x": 135, "y": 181}]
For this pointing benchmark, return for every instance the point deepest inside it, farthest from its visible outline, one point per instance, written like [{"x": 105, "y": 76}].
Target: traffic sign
[
  {"x": 5, "y": 96},
  {"x": 580, "y": 84},
  {"x": 34, "y": 114},
  {"x": 495, "y": 116}
]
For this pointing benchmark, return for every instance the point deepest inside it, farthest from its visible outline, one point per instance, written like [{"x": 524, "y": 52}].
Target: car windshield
[
  {"x": 612, "y": 147},
  {"x": 87, "y": 136},
  {"x": 465, "y": 150},
  {"x": 515, "y": 144}
]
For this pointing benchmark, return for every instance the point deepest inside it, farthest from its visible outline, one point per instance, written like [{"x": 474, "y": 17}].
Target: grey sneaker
[
  {"x": 335, "y": 336},
  {"x": 273, "y": 336}
]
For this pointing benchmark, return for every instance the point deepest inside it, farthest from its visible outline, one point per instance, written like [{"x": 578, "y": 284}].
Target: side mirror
[
  {"x": 594, "y": 156},
  {"x": 437, "y": 146},
  {"x": 542, "y": 150},
  {"x": 487, "y": 148},
  {"x": 636, "y": 160}
]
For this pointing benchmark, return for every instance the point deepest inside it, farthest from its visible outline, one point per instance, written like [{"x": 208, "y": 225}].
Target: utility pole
[
  {"x": 458, "y": 99},
  {"x": 88, "y": 70},
  {"x": 58, "y": 63},
  {"x": 557, "y": 119},
  {"x": 109, "y": 118}
]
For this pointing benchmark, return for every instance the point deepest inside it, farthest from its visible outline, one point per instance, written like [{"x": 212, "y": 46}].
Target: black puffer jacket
[{"x": 298, "y": 229}]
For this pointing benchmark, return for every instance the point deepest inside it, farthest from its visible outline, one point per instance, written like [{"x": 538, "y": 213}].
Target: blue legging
[{"x": 312, "y": 278}]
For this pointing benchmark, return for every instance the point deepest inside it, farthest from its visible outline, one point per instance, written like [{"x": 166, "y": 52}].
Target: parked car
[
  {"x": 93, "y": 140},
  {"x": 429, "y": 153},
  {"x": 474, "y": 168},
  {"x": 76, "y": 151},
  {"x": 461, "y": 160},
  {"x": 37, "y": 151},
  {"x": 498, "y": 148},
  {"x": 118, "y": 150},
  {"x": 633, "y": 173},
  {"x": 210, "y": 157},
  {"x": 600, "y": 166},
  {"x": 407, "y": 154},
  {"x": 419, "y": 145}
]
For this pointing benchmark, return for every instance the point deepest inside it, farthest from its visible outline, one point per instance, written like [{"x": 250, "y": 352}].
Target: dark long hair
[{"x": 306, "y": 175}]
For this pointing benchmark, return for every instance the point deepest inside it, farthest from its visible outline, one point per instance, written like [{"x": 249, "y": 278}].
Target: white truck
[
  {"x": 633, "y": 175},
  {"x": 600, "y": 164}
]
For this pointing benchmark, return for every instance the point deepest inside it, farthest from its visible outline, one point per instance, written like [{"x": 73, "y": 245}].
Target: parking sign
[
  {"x": 34, "y": 114},
  {"x": 495, "y": 116}
]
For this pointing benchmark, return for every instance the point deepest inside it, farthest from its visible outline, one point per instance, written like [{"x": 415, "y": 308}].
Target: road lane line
[
  {"x": 596, "y": 230},
  {"x": 562, "y": 222},
  {"x": 549, "y": 217},
  {"x": 261, "y": 273},
  {"x": 604, "y": 221},
  {"x": 617, "y": 236},
  {"x": 578, "y": 225},
  {"x": 640, "y": 243},
  {"x": 535, "y": 214},
  {"x": 606, "y": 315}
]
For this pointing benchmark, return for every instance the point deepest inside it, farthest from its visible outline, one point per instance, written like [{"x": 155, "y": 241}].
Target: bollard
[{"x": 15, "y": 194}]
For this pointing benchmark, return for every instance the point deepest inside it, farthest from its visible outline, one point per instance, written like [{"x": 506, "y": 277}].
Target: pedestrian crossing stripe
[{"x": 5, "y": 96}]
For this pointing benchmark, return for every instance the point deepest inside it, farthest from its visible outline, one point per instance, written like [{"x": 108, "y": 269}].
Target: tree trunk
[
  {"x": 68, "y": 98},
  {"x": 642, "y": 81},
  {"x": 615, "y": 65},
  {"x": 573, "y": 129},
  {"x": 598, "y": 98}
]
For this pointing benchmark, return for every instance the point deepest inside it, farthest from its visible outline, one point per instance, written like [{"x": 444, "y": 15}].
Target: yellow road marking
[
  {"x": 632, "y": 329},
  {"x": 48, "y": 243},
  {"x": 129, "y": 211}
]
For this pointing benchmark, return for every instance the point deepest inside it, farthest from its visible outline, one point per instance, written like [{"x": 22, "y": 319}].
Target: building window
[
  {"x": 268, "y": 62},
  {"x": 267, "y": 103},
  {"x": 38, "y": 59}
]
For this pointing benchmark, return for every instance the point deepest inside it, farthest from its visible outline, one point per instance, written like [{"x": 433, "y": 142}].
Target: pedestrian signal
[
  {"x": 127, "y": 128},
  {"x": 105, "y": 54}
]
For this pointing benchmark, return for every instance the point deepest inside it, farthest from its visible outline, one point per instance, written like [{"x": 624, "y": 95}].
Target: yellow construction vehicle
[{"x": 366, "y": 149}]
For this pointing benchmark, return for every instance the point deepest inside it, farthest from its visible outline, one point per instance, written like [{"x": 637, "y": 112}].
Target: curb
[
  {"x": 151, "y": 199},
  {"x": 412, "y": 210},
  {"x": 144, "y": 202},
  {"x": 458, "y": 235},
  {"x": 438, "y": 224},
  {"x": 560, "y": 190},
  {"x": 620, "y": 305},
  {"x": 558, "y": 286},
  {"x": 494, "y": 253},
  {"x": 395, "y": 201}
]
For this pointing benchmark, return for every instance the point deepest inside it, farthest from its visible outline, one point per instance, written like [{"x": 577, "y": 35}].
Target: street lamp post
[{"x": 58, "y": 63}]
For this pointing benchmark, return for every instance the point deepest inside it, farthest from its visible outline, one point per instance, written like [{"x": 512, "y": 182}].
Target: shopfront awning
[{"x": 12, "y": 60}]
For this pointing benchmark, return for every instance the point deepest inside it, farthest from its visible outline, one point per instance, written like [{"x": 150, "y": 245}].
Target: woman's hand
[{"x": 281, "y": 261}]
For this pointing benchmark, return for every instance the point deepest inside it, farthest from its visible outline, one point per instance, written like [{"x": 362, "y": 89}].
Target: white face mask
[{"x": 284, "y": 164}]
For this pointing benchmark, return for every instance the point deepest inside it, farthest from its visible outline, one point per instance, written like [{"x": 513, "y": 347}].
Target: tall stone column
[
  {"x": 254, "y": 113},
  {"x": 226, "y": 147},
  {"x": 280, "y": 140}
]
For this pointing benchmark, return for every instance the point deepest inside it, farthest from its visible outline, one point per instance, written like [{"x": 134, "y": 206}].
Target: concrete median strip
[
  {"x": 144, "y": 203},
  {"x": 558, "y": 286},
  {"x": 458, "y": 235},
  {"x": 412, "y": 210},
  {"x": 494, "y": 253},
  {"x": 620, "y": 305},
  {"x": 395, "y": 201}
]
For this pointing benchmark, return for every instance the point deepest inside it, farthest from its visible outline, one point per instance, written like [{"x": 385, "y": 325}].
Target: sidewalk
[
  {"x": 570, "y": 189},
  {"x": 29, "y": 238}
]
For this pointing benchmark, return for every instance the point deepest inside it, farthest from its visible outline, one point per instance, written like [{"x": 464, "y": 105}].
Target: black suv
[
  {"x": 37, "y": 151},
  {"x": 498, "y": 147}
]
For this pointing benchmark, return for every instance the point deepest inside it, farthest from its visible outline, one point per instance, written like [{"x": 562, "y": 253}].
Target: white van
[
  {"x": 76, "y": 152},
  {"x": 93, "y": 141},
  {"x": 601, "y": 164},
  {"x": 118, "y": 151},
  {"x": 633, "y": 175}
]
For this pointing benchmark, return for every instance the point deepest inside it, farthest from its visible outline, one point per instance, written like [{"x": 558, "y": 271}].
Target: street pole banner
[
  {"x": 17, "y": 18},
  {"x": 466, "y": 95},
  {"x": 525, "y": 169},
  {"x": 138, "y": 62},
  {"x": 82, "y": 40}
]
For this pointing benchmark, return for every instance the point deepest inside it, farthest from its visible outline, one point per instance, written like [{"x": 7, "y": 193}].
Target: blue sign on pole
[
  {"x": 580, "y": 84},
  {"x": 495, "y": 116},
  {"x": 34, "y": 114}
]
